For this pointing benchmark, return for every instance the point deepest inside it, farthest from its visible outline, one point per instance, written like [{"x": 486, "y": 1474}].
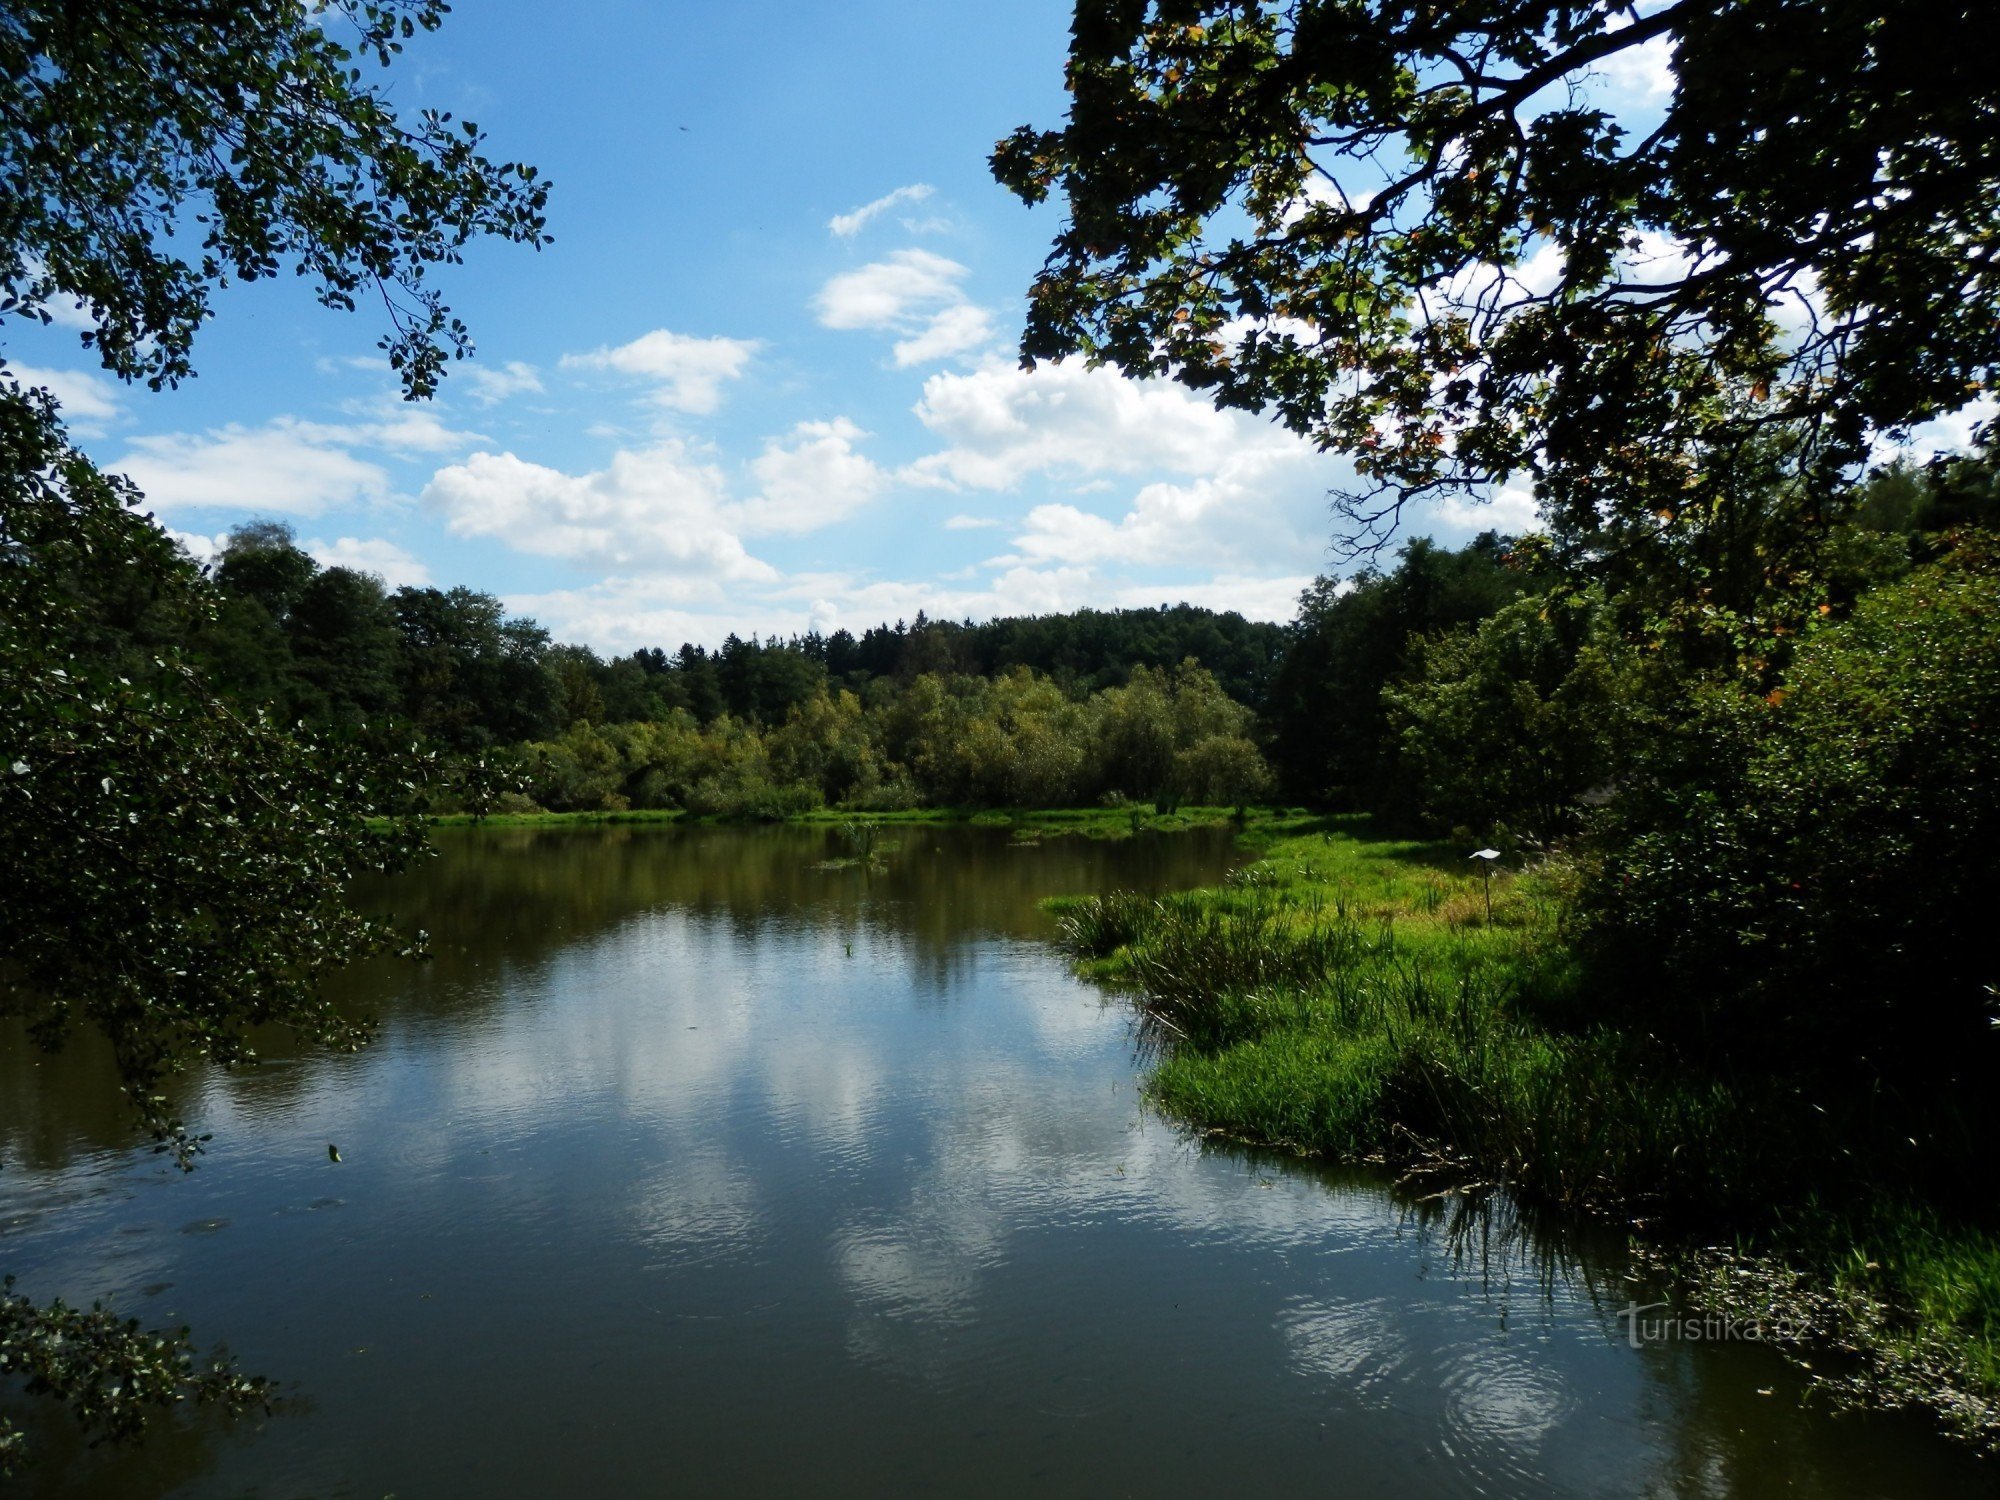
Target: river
[{"x": 691, "y": 1165}]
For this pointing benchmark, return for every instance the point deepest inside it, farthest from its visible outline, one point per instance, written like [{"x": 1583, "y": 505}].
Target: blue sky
[{"x": 764, "y": 379}]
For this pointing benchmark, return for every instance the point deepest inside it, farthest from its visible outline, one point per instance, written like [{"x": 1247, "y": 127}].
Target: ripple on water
[
  {"x": 1500, "y": 1408},
  {"x": 1357, "y": 1345}
]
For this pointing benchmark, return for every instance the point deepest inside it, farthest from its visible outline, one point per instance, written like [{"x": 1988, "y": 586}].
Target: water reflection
[{"x": 688, "y": 1163}]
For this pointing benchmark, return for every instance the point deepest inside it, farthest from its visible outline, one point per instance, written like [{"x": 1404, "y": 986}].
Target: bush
[{"x": 1811, "y": 871}]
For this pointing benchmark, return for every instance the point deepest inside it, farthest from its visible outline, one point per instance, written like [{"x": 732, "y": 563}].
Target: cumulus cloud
[
  {"x": 687, "y": 373},
  {"x": 1219, "y": 493},
  {"x": 1258, "y": 509},
  {"x": 1643, "y": 74},
  {"x": 376, "y": 555},
  {"x": 656, "y": 510},
  {"x": 811, "y": 479},
  {"x": 951, "y": 330},
  {"x": 668, "y": 509},
  {"x": 1947, "y": 434},
  {"x": 1002, "y": 424},
  {"x": 914, "y": 294},
  {"x": 621, "y": 614},
  {"x": 886, "y": 292},
  {"x": 398, "y": 426},
  {"x": 203, "y": 549},
  {"x": 847, "y": 225},
  {"x": 285, "y": 467},
  {"x": 1512, "y": 511}
]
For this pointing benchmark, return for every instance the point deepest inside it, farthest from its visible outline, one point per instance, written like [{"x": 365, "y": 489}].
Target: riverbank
[{"x": 1369, "y": 998}]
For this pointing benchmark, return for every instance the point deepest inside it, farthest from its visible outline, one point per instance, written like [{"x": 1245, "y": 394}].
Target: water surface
[{"x": 689, "y": 1165}]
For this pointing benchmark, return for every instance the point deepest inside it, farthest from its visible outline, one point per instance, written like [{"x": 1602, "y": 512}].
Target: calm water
[{"x": 687, "y": 1167}]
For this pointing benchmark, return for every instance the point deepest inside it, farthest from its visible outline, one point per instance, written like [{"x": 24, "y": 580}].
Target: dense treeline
[
  {"x": 1509, "y": 689},
  {"x": 1145, "y": 704},
  {"x": 1013, "y": 740}
]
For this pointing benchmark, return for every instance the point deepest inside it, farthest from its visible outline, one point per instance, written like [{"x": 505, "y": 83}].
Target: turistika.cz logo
[{"x": 1659, "y": 1323}]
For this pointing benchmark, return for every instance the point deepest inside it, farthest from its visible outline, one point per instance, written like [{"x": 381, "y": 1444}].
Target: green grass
[{"x": 1350, "y": 995}]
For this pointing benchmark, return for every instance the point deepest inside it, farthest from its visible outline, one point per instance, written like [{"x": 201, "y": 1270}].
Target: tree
[
  {"x": 153, "y": 153},
  {"x": 1507, "y": 724},
  {"x": 1350, "y": 642},
  {"x": 178, "y": 867},
  {"x": 473, "y": 677},
  {"x": 1413, "y": 233},
  {"x": 1798, "y": 881},
  {"x": 344, "y": 648}
]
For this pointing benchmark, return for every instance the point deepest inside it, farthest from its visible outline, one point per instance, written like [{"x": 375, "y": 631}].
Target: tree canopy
[
  {"x": 1417, "y": 234},
  {"x": 152, "y": 153}
]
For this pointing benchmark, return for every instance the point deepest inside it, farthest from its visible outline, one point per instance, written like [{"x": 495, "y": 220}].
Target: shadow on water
[{"x": 688, "y": 1162}]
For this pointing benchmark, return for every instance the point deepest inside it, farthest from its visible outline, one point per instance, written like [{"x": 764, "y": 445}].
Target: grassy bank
[{"x": 1356, "y": 995}]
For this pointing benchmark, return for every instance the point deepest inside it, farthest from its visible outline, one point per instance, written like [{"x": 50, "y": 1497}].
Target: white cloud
[
  {"x": 494, "y": 384},
  {"x": 400, "y": 427},
  {"x": 970, "y": 523},
  {"x": 203, "y": 549},
  {"x": 1512, "y": 511},
  {"x": 657, "y": 510},
  {"x": 88, "y": 401},
  {"x": 376, "y": 555},
  {"x": 622, "y": 614},
  {"x": 1255, "y": 598},
  {"x": 285, "y": 467},
  {"x": 889, "y": 293},
  {"x": 1645, "y": 73},
  {"x": 1947, "y": 434},
  {"x": 811, "y": 480},
  {"x": 687, "y": 373},
  {"x": 1655, "y": 261},
  {"x": 1002, "y": 424},
  {"x": 66, "y": 312},
  {"x": 846, "y": 226},
  {"x": 1220, "y": 493},
  {"x": 952, "y": 330},
  {"x": 1259, "y": 509},
  {"x": 914, "y": 294}
]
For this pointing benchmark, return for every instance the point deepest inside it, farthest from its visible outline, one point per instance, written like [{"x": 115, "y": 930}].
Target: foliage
[
  {"x": 1509, "y": 723},
  {"x": 1347, "y": 995},
  {"x": 1327, "y": 720},
  {"x": 113, "y": 1376},
  {"x": 1016, "y": 740},
  {"x": 178, "y": 863},
  {"x": 178, "y": 866},
  {"x": 1413, "y": 234},
  {"x": 151, "y": 155},
  {"x": 1813, "y": 864}
]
